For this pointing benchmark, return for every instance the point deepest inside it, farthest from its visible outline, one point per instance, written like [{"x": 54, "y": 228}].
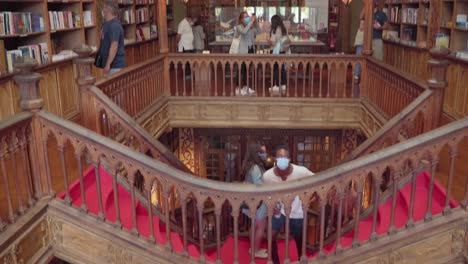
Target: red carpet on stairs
[{"x": 227, "y": 252}]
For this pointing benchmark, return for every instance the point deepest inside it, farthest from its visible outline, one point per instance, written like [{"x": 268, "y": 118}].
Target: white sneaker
[
  {"x": 283, "y": 89},
  {"x": 275, "y": 90},
  {"x": 248, "y": 90},
  {"x": 261, "y": 253},
  {"x": 240, "y": 92}
]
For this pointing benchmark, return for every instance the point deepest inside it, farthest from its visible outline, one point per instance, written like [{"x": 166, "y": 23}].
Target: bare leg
[{"x": 260, "y": 225}]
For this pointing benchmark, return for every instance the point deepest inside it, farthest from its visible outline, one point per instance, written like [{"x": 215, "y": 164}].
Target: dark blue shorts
[{"x": 277, "y": 222}]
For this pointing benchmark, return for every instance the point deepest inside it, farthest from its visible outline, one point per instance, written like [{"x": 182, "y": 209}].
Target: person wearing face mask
[
  {"x": 111, "y": 50},
  {"x": 247, "y": 29},
  {"x": 185, "y": 39},
  {"x": 281, "y": 172},
  {"x": 253, "y": 168}
]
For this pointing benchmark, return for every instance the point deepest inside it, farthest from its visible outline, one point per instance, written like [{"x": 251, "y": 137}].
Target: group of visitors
[
  {"x": 254, "y": 168},
  {"x": 246, "y": 31}
]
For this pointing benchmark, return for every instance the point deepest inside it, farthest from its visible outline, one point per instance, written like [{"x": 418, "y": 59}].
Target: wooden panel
[
  {"x": 49, "y": 91},
  {"x": 67, "y": 91},
  {"x": 461, "y": 108},
  {"x": 407, "y": 59},
  {"x": 456, "y": 94},
  {"x": 6, "y": 100}
]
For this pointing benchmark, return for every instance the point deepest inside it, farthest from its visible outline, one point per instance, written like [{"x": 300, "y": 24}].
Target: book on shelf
[
  {"x": 17, "y": 23},
  {"x": 88, "y": 18},
  {"x": 63, "y": 20},
  {"x": 12, "y": 56},
  {"x": 394, "y": 13},
  {"x": 63, "y": 55},
  {"x": 126, "y": 2},
  {"x": 143, "y": 33},
  {"x": 409, "y": 15},
  {"x": 141, "y": 2},
  {"x": 127, "y": 16},
  {"x": 442, "y": 40},
  {"x": 141, "y": 15}
]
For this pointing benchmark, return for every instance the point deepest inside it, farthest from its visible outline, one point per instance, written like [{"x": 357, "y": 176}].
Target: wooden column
[
  {"x": 31, "y": 101},
  {"x": 437, "y": 82},
  {"x": 368, "y": 27},
  {"x": 85, "y": 80},
  {"x": 161, "y": 18}
]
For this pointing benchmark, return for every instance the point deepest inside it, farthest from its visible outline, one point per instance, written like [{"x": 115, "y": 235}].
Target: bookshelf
[
  {"x": 409, "y": 23},
  {"x": 454, "y": 26},
  {"x": 48, "y": 30}
]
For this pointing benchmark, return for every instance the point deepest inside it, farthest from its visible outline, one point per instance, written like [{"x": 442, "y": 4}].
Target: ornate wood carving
[
  {"x": 118, "y": 255},
  {"x": 187, "y": 147},
  {"x": 53, "y": 230}
]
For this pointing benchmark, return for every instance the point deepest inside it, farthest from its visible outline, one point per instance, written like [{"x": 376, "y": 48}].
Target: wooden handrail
[{"x": 134, "y": 130}]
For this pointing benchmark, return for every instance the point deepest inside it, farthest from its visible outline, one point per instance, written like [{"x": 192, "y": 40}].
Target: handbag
[
  {"x": 98, "y": 60},
  {"x": 234, "y": 49},
  {"x": 285, "y": 43}
]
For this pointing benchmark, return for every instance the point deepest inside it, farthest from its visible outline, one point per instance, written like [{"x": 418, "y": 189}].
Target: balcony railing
[{"x": 41, "y": 141}]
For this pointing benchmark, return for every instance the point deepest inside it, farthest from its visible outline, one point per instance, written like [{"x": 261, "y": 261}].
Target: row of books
[
  {"x": 63, "y": 20},
  {"x": 142, "y": 15},
  {"x": 12, "y": 23},
  {"x": 409, "y": 15},
  {"x": 88, "y": 18},
  {"x": 39, "y": 52},
  {"x": 127, "y": 2},
  {"x": 127, "y": 16},
  {"x": 394, "y": 13}
]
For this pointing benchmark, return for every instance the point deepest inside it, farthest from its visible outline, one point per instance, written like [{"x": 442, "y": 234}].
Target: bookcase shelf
[
  {"x": 408, "y": 22},
  {"x": 453, "y": 25}
]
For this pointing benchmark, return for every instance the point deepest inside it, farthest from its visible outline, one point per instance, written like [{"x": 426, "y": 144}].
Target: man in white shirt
[
  {"x": 281, "y": 172},
  {"x": 185, "y": 39}
]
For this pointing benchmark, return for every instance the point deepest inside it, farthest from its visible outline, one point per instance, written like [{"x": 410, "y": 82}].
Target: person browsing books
[{"x": 112, "y": 40}]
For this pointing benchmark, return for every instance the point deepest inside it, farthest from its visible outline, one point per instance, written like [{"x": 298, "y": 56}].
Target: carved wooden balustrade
[
  {"x": 307, "y": 76},
  {"x": 401, "y": 159},
  {"x": 388, "y": 88},
  {"x": 421, "y": 115},
  {"x": 137, "y": 87}
]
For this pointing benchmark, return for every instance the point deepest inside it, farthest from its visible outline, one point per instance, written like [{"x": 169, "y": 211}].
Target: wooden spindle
[
  {"x": 410, "y": 221},
  {"x": 115, "y": 190},
  {"x": 287, "y": 211},
  {"x": 428, "y": 215},
  {"x": 47, "y": 166},
  {"x": 235, "y": 216},
  {"x": 453, "y": 156},
  {"x": 357, "y": 216},
  {"x": 305, "y": 208},
  {"x": 26, "y": 170},
  {"x": 184, "y": 224},
  {"x": 3, "y": 155},
  {"x": 13, "y": 150},
  {"x": 151, "y": 237},
  {"x": 101, "y": 215},
  {"x": 218, "y": 207},
  {"x": 61, "y": 149},
  {"x": 200, "y": 207},
  {"x": 338, "y": 248},
  {"x": 376, "y": 201},
  {"x": 167, "y": 217},
  {"x": 392, "y": 228},
  {"x": 323, "y": 203},
  {"x": 84, "y": 206},
  {"x": 253, "y": 212}
]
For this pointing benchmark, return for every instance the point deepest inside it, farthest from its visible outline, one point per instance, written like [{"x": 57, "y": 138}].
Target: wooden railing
[
  {"x": 400, "y": 159},
  {"x": 389, "y": 89},
  {"x": 305, "y": 76},
  {"x": 137, "y": 87}
]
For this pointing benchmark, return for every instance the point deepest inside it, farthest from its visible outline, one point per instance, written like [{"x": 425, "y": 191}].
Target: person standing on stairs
[
  {"x": 247, "y": 29},
  {"x": 253, "y": 168},
  {"x": 281, "y": 172}
]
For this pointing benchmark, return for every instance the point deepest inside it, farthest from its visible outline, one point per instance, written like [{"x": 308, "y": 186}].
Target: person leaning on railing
[
  {"x": 281, "y": 172},
  {"x": 253, "y": 167}
]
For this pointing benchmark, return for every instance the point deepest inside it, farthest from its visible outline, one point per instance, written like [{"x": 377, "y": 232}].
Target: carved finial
[
  {"x": 28, "y": 84},
  {"x": 83, "y": 50}
]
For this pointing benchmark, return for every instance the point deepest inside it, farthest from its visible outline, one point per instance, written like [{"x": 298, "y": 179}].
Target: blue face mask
[
  {"x": 262, "y": 155},
  {"x": 247, "y": 20},
  {"x": 282, "y": 163}
]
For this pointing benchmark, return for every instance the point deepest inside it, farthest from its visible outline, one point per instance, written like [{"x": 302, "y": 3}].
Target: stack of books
[
  {"x": 127, "y": 16},
  {"x": 39, "y": 52},
  {"x": 409, "y": 15},
  {"x": 14, "y": 23},
  {"x": 142, "y": 15}
]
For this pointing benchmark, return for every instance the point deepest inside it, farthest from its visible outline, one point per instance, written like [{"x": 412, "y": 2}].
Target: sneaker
[
  {"x": 283, "y": 89},
  {"x": 240, "y": 92},
  {"x": 275, "y": 90},
  {"x": 248, "y": 90},
  {"x": 261, "y": 253}
]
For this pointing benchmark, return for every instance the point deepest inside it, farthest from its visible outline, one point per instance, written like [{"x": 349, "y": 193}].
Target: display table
[{"x": 303, "y": 46}]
